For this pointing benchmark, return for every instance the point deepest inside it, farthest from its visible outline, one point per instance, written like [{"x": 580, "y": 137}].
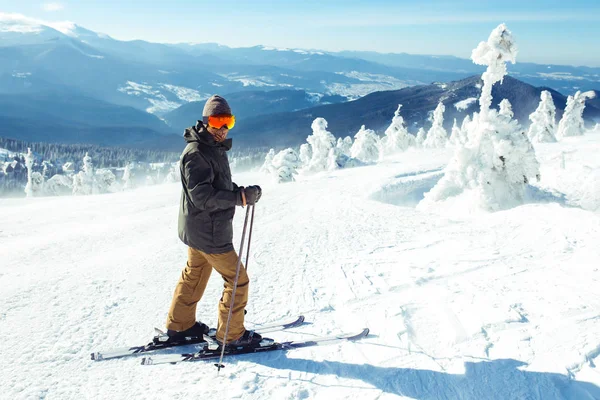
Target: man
[{"x": 208, "y": 202}]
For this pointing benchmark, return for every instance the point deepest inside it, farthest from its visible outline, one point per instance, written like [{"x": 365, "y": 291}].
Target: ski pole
[
  {"x": 235, "y": 282},
  {"x": 249, "y": 239}
]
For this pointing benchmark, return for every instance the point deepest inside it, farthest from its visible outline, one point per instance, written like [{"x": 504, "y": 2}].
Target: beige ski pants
[{"x": 191, "y": 286}]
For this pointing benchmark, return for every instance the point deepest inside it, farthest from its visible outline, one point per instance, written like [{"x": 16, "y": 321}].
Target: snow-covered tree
[
  {"x": 29, "y": 165},
  {"x": 106, "y": 181},
  {"x": 456, "y": 135},
  {"x": 437, "y": 137},
  {"x": 464, "y": 129},
  {"x": 321, "y": 141},
  {"x": 84, "y": 182},
  {"x": 344, "y": 145},
  {"x": 284, "y": 165},
  {"x": 506, "y": 109},
  {"x": 571, "y": 124},
  {"x": 421, "y": 136},
  {"x": 396, "y": 136},
  {"x": 493, "y": 168},
  {"x": 366, "y": 146},
  {"x": 128, "y": 177},
  {"x": 267, "y": 166},
  {"x": 58, "y": 185},
  {"x": 305, "y": 154},
  {"x": 174, "y": 174},
  {"x": 543, "y": 120}
]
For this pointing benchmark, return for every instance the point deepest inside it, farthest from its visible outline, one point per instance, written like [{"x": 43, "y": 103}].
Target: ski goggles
[{"x": 218, "y": 121}]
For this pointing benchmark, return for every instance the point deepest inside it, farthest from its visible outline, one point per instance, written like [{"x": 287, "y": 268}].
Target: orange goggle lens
[{"x": 218, "y": 121}]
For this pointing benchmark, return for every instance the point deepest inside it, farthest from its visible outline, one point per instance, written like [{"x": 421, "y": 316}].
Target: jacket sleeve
[{"x": 199, "y": 176}]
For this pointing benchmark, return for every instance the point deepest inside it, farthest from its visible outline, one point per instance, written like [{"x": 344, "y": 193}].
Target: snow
[
  {"x": 160, "y": 104},
  {"x": 496, "y": 306},
  {"x": 369, "y": 83},
  {"x": 567, "y": 76},
  {"x": 11, "y": 22},
  {"x": 464, "y": 104},
  {"x": 185, "y": 94}
]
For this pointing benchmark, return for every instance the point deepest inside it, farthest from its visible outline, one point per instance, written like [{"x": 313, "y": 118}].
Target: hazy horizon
[{"x": 547, "y": 32}]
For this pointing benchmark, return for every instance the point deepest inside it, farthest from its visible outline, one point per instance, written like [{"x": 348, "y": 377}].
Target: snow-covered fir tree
[
  {"x": 37, "y": 183},
  {"x": 543, "y": 120},
  {"x": 29, "y": 165},
  {"x": 396, "y": 136},
  {"x": 128, "y": 177},
  {"x": 321, "y": 141},
  {"x": 506, "y": 109},
  {"x": 174, "y": 175},
  {"x": 494, "y": 167},
  {"x": 305, "y": 154},
  {"x": 84, "y": 182},
  {"x": 284, "y": 165},
  {"x": 456, "y": 135},
  {"x": 366, "y": 146},
  {"x": 437, "y": 137},
  {"x": 267, "y": 166},
  {"x": 571, "y": 124},
  {"x": 421, "y": 136},
  {"x": 464, "y": 129},
  {"x": 344, "y": 145}
]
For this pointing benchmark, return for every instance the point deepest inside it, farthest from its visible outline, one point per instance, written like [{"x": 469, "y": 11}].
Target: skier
[{"x": 208, "y": 202}]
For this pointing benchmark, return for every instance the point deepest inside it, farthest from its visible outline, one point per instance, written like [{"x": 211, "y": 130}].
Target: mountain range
[{"x": 82, "y": 84}]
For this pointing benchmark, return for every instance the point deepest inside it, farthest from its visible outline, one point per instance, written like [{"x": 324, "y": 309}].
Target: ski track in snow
[{"x": 494, "y": 306}]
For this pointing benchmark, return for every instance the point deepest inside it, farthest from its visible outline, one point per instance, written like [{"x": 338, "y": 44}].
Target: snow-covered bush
[
  {"x": 321, "y": 141},
  {"x": 543, "y": 120},
  {"x": 284, "y": 165},
  {"x": 492, "y": 169},
  {"x": 437, "y": 137},
  {"x": 396, "y": 136},
  {"x": 59, "y": 185},
  {"x": 106, "y": 181},
  {"x": 571, "y": 124},
  {"x": 366, "y": 146}
]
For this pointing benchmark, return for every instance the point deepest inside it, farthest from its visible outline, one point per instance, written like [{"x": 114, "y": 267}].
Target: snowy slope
[{"x": 494, "y": 306}]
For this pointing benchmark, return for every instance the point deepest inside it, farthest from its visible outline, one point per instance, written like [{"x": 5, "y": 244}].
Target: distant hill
[
  {"x": 67, "y": 106},
  {"x": 377, "y": 109},
  {"x": 56, "y": 131},
  {"x": 250, "y": 104}
]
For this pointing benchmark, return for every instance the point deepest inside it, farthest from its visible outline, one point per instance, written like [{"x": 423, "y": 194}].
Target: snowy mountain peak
[{"x": 18, "y": 23}]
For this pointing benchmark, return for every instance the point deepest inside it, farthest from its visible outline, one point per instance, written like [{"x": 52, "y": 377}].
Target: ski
[
  {"x": 214, "y": 353},
  {"x": 159, "y": 342}
]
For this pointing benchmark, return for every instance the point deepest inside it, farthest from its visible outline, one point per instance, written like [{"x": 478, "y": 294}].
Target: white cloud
[{"x": 53, "y": 7}]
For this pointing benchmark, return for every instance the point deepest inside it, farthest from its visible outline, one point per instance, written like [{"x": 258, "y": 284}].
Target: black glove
[{"x": 253, "y": 194}]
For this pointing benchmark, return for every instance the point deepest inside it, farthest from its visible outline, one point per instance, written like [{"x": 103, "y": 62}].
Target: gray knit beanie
[{"x": 216, "y": 105}]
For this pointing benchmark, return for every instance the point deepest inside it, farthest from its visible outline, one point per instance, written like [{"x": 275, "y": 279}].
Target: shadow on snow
[{"x": 496, "y": 379}]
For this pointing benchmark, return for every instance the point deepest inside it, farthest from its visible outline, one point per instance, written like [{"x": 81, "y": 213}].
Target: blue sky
[{"x": 551, "y": 31}]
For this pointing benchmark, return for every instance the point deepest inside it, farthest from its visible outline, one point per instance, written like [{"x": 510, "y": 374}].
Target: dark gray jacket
[{"x": 208, "y": 196}]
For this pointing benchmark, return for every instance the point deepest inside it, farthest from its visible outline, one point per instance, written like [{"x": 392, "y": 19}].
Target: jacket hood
[{"x": 199, "y": 134}]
